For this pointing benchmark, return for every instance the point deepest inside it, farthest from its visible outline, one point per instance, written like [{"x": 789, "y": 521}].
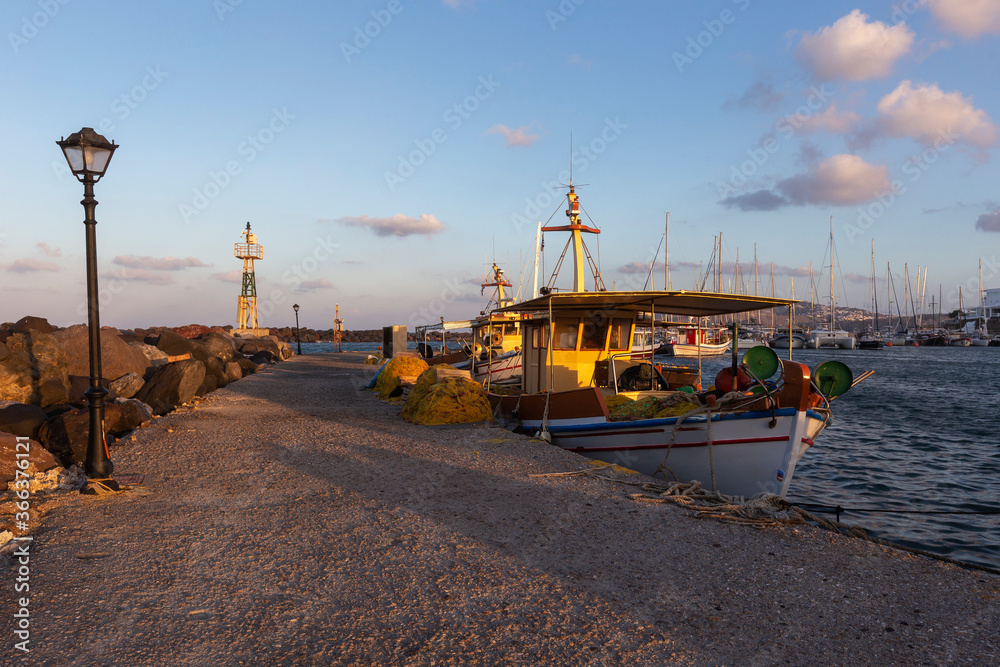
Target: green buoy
[
  {"x": 833, "y": 378},
  {"x": 761, "y": 362}
]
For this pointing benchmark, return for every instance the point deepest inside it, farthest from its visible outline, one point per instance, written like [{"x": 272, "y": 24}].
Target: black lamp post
[
  {"x": 88, "y": 155},
  {"x": 298, "y": 341}
]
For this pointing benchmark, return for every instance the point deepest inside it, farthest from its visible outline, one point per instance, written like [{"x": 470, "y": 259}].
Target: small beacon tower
[{"x": 246, "y": 313}]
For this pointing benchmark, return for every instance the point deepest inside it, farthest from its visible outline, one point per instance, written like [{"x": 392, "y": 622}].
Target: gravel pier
[{"x": 293, "y": 519}]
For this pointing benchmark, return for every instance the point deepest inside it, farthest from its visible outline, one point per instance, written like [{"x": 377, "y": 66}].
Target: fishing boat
[
  {"x": 693, "y": 341},
  {"x": 577, "y": 355}
]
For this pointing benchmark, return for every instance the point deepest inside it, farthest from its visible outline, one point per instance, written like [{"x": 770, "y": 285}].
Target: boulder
[
  {"x": 172, "y": 385},
  {"x": 31, "y": 323},
  {"x": 124, "y": 415},
  {"x": 175, "y": 344},
  {"x": 4, "y": 352},
  {"x": 38, "y": 457},
  {"x": 208, "y": 385},
  {"x": 155, "y": 357},
  {"x": 68, "y": 434},
  {"x": 34, "y": 370},
  {"x": 233, "y": 371},
  {"x": 127, "y": 386},
  {"x": 118, "y": 358},
  {"x": 219, "y": 345},
  {"x": 216, "y": 368},
  {"x": 20, "y": 419},
  {"x": 192, "y": 330},
  {"x": 263, "y": 357},
  {"x": 248, "y": 367},
  {"x": 78, "y": 387},
  {"x": 251, "y": 346}
]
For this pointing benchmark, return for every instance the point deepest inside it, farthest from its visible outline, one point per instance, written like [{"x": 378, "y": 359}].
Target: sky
[{"x": 385, "y": 152}]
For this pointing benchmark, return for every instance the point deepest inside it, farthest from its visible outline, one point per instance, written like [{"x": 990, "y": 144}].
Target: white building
[{"x": 991, "y": 304}]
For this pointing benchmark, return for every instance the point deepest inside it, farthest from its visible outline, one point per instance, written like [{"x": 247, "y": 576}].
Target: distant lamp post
[
  {"x": 298, "y": 341},
  {"x": 88, "y": 155}
]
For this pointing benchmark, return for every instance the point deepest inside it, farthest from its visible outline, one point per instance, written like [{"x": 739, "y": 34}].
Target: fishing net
[
  {"x": 453, "y": 401},
  {"x": 419, "y": 392},
  {"x": 617, "y": 401},
  {"x": 650, "y": 407},
  {"x": 676, "y": 410},
  {"x": 388, "y": 379}
]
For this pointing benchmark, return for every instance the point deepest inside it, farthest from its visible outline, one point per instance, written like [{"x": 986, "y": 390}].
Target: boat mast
[
  {"x": 874, "y": 295},
  {"x": 666, "y": 253},
  {"x": 812, "y": 300},
  {"x": 538, "y": 252},
  {"x": 832, "y": 302},
  {"x": 756, "y": 276},
  {"x": 982, "y": 302}
]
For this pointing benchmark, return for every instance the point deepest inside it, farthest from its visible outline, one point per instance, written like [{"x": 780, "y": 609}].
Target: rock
[
  {"x": 124, "y": 415},
  {"x": 175, "y": 344},
  {"x": 172, "y": 385},
  {"x": 127, "y": 386},
  {"x": 68, "y": 434},
  {"x": 20, "y": 419},
  {"x": 192, "y": 330},
  {"x": 4, "y": 352},
  {"x": 118, "y": 358},
  {"x": 78, "y": 387},
  {"x": 248, "y": 367},
  {"x": 233, "y": 371},
  {"x": 220, "y": 345},
  {"x": 263, "y": 357},
  {"x": 208, "y": 385},
  {"x": 34, "y": 371},
  {"x": 251, "y": 346},
  {"x": 155, "y": 357},
  {"x": 31, "y": 323},
  {"x": 216, "y": 368},
  {"x": 38, "y": 457}
]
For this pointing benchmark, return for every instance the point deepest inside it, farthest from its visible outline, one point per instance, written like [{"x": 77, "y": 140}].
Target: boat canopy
[{"x": 691, "y": 304}]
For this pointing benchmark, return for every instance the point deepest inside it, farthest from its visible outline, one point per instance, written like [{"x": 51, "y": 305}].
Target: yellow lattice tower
[{"x": 246, "y": 312}]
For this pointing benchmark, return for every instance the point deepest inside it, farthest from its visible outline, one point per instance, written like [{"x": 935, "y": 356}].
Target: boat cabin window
[
  {"x": 566, "y": 330},
  {"x": 538, "y": 339},
  {"x": 595, "y": 332},
  {"x": 509, "y": 329},
  {"x": 619, "y": 334}
]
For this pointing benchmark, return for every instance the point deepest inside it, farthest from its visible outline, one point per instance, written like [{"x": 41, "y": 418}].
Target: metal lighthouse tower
[{"x": 246, "y": 312}]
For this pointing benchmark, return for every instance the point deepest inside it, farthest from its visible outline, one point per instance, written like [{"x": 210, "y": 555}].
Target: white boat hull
[
  {"x": 691, "y": 349},
  {"x": 505, "y": 368},
  {"x": 748, "y": 456}
]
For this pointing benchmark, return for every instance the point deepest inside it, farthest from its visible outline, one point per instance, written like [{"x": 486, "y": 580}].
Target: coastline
[{"x": 292, "y": 518}]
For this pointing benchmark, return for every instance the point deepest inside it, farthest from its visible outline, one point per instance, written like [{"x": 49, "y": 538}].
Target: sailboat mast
[
  {"x": 812, "y": 300},
  {"x": 538, "y": 252},
  {"x": 832, "y": 302},
  {"x": 756, "y": 275},
  {"x": 666, "y": 253}
]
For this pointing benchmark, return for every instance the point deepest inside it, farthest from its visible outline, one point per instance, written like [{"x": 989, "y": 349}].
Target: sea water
[{"x": 920, "y": 435}]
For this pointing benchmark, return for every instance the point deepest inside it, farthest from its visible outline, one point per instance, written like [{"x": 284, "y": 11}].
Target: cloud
[
  {"x": 577, "y": 59},
  {"x": 638, "y": 268},
  {"x": 854, "y": 49},
  {"x": 397, "y": 225},
  {"x": 234, "y": 276},
  {"x": 515, "y": 137},
  {"x": 927, "y": 114},
  {"x": 840, "y": 180},
  {"x": 30, "y": 265},
  {"x": 313, "y": 285},
  {"x": 159, "y": 263},
  {"x": 989, "y": 222},
  {"x": 140, "y": 275},
  {"x": 761, "y": 95},
  {"x": 761, "y": 200},
  {"x": 829, "y": 120},
  {"x": 968, "y": 18},
  {"x": 49, "y": 250}
]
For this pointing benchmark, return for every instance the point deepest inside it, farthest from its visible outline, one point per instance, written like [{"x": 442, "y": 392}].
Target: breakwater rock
[{"x": 45, "y": 370}]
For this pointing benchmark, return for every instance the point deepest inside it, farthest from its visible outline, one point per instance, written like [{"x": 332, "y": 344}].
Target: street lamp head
[
  {"x": 295, "y": 307},
  {"x": 88, "y": 154}
]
